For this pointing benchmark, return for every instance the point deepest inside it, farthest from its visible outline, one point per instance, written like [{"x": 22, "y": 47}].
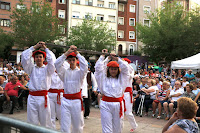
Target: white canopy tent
[{"x": 192, "y": 62}]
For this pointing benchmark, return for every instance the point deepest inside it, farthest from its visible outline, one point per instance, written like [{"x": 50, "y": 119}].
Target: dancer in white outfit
[
  {"x": 128, "y": 96},
  {"x": 38, "y": 107},
  {"x": 55, "y": 95},
  {"x": 112, "y": 84},
  {"x": 72, "y": 77}
]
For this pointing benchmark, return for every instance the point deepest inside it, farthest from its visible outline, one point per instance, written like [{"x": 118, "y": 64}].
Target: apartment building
[
  {"x": 103, "y": 10},
  {"x": 145, "y": 7},
  {"x": 126, "y": 36}
]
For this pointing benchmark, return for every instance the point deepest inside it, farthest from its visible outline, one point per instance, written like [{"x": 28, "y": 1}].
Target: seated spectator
[
  {"x": 183, "y": 120},
  {"x": 188, "y": 93},
  {"x": 174, "y": 95},
  {"x": 2, "y": 82},
  {"x": 149, "y": 91},
  {"x": 144, "y": 83},
  {"x": 161, "y": 97},
  {"x": 190, "y": 76},
  {"x": 195, "y": 89},
  {"x": 184, "y": 82},
  {"x": 197, "y": 100},
  {"x": 158, "y": 83},
  {"x": 11, "y": 92}
]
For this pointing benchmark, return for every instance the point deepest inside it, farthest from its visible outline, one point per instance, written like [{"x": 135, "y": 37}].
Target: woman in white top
[
  {"x": 150, "y": 91},
  {"x": 112, "y": 80}
]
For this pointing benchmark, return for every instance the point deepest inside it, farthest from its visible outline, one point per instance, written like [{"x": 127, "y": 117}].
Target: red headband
[
  {"x": 127, "y": 60},
  {"x": 113, "y": 64},
  {"x": 39, "y": 51}
]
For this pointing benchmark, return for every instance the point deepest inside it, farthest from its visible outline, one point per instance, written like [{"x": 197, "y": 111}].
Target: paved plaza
[{"x": 93, "y": 124}]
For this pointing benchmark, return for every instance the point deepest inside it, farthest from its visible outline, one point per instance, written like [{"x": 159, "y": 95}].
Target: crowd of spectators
[{"x": 162, "y": 87}]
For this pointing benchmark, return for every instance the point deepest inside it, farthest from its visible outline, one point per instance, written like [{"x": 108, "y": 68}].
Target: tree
[
  {"x": 6, "y": 44},
  {"x": 34, "y": 24},
  {"x": 92, "y": 34},
  {"x": 169, "y": 35}
]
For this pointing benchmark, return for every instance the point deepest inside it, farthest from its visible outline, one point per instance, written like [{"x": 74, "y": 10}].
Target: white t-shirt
[
  {"x": 153, "y": 94},
  {"x": 185, "y": 83},
  {"x": 174, "y": 91}
]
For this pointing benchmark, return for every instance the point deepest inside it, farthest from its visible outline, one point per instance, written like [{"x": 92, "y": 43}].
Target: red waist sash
[
  {"x": 58, "y": 91},
  {"x": 112, "y": 99},
  {"x": 129, "y": 89},
  {"x": 74, "y": 96},
  {"x": 40, "y": 93}
]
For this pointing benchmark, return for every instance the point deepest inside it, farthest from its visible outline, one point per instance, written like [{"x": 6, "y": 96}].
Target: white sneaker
[
  {"x": 96, "y": 106},
  {"x": 87, "y": 117}
]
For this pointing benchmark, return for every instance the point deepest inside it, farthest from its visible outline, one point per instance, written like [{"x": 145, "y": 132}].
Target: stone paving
[{"x": 93, "y": 124}]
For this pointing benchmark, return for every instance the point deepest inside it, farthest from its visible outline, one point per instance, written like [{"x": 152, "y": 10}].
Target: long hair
[{"x": 108, "y": 73}]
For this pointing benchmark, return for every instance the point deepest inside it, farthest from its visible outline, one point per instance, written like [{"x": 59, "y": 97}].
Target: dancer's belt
[
  {"x": 129, "y": 89},
  {"x": 40, "y": 93},
  {"x": 112, "y": 99},
  {"x": 58, "y": 91},
  {"x": 73, "y": 97}
]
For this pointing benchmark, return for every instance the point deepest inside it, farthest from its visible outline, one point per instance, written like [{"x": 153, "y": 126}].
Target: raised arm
[
  {"x": 50, "y": 59},
  {"x": 60, "y": 67},
  {"x": 100, "y": 69},
  {"x": 26, "y": 61},
  {"x": 94, "y": 82}
]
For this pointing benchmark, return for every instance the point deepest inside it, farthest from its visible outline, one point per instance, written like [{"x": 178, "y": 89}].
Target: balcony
[{"x": 122, "y": 1}]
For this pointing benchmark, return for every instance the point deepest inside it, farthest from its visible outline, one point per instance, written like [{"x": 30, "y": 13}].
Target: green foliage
[
  {"x": 34, "y": 24},
  {"x": 173, "y": 33},
  {"x": 6, "y": 44},
  {"x": 137, "y": 53},
  {"x": 92, "y": 34}
]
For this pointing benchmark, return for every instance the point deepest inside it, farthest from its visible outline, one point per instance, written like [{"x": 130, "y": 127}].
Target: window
[
  {"x": 132, "y": 21},
  {"x": 131, "y": 34},
  {"x": 120, "y": 34},
  {"x": 113, "y": 33},
  {"x": 100, "y": 17},
  {"x": 76, "y": 1},
  {"x": 88, "y": 16},
  {"x": 100, "y": 3},
  {"x": 121, "y": 7},
  {"x": 61, "y": 14},
  {"x": 121, "y": 20},
  {"x": 75, "y": 14},
  {"x": 147, "y": 9},
  {"x": 5, "y": 22},
  {"x": 5, "y": 5},
  {"x": 146, "y": 22},
  {"x": 62, "y": 29},
  {"x": 132, "y": 8},
  {"x": 111, "y": 18},
  {"x": 61, "y": 1},
  {"x": 88, "y": 2},
  {"x": 21, "y": 6},
  {"x": 131, "y": 49},
  {"x": 111, "y": 5}
]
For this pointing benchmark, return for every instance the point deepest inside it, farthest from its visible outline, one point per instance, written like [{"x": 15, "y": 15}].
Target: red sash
[
  {"x": 129, "y": 89},
  {"x": 112, "y": 99},
  {"x": 58, "y": 91},
  {"x": 74, "y": 96},
  {"x": 40, "y": 93}
]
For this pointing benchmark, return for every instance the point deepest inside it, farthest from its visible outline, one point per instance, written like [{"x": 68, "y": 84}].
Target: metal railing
[{"x": 9, "y": 125}]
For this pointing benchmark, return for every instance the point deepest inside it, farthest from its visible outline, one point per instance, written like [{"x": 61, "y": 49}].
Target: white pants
[
  {"x": 71, "y": 114},
  {"x": 128, "y": 112},
  {"x": 55, "y": 108},
  {"x": 36, "y": 111},
  {"x": 110, "y": 119}
]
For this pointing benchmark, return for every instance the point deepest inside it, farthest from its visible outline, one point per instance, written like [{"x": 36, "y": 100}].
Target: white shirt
[
  {"x": 72, "y": 79},
  {"x": 153, "y": 94},
  {"x": 174, "y": 91},
  {"x": 56, "y": 83},
  {"x": 85, "y": 85},
  {"x": 40, "y": 77},
  {"x": 111, "y": 87},
  {"x": 184, "y": 83}
]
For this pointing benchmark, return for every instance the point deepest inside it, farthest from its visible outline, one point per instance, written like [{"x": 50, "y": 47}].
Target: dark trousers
[
  {"x": 12, "y": 98},
  {"x": 147, "y": 102},
  {"x": 87, "y": 103}
]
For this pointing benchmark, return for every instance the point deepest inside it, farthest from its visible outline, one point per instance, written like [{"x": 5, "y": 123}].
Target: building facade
[{"x": 126, "y": 35}]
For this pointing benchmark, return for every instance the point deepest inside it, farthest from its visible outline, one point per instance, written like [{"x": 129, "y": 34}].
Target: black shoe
[{"x": 21, "y": 108}]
